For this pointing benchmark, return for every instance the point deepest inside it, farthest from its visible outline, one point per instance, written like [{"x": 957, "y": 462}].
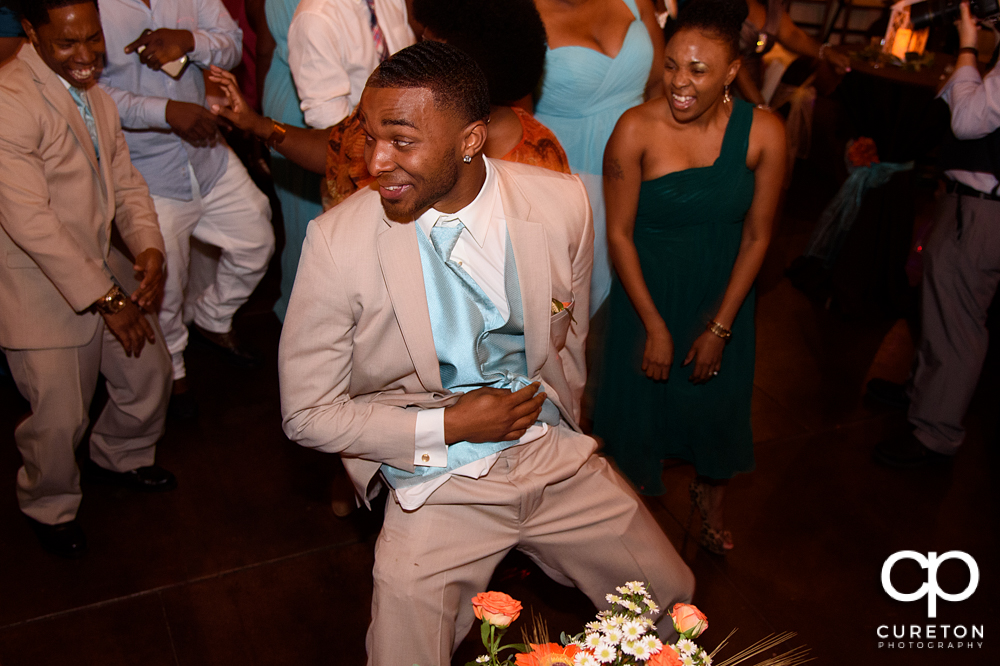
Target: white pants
[{"x": 235, "y": 217}]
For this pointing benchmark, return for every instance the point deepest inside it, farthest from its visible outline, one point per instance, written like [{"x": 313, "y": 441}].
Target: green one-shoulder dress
[{"x": 687, "y": 231}]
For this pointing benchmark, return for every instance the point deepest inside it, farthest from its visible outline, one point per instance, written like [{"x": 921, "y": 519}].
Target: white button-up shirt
[{"x": 331, "y": 53}]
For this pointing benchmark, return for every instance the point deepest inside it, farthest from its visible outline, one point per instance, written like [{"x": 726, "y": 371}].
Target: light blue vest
[{"x": 475, "y": 348}]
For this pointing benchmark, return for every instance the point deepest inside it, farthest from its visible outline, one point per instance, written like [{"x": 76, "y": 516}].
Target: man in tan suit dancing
[
  {"x": 65, "y": 174},
  {"x": 435, "y": 339}
]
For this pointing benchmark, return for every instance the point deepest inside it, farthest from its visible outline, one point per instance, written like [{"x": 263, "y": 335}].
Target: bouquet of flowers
[{"x": 623, "y": 635}]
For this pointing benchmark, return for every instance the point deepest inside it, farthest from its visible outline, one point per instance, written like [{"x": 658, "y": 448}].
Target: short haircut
[
  {"x": 36, "y": 12},
  {"x": 721, "y": 19},
  {"x": 505, "y": 37},
  {"x": 454, "y": 78}
]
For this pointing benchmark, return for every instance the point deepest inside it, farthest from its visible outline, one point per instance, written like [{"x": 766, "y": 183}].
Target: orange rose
[
  {"x": 548, "y": 654},
  {"x": 497, "y": 608},
  {"x": 688, "y": 620},
  {"x": 668, "y": 656}
]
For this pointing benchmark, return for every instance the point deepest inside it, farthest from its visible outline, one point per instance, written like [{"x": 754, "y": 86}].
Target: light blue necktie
[{"x": 88, "y": 117}]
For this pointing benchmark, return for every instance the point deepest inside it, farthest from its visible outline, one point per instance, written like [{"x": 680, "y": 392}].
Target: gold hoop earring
[
  {"x": 725, "y": 97},
  {"x": 467, "y": 159}
]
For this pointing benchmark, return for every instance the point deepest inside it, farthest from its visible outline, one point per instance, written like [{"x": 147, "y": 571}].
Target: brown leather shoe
[{"x": 225, "y": 344}]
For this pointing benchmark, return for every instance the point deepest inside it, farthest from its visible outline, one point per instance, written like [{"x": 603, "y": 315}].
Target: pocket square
[{"x": 558, "y": 306}]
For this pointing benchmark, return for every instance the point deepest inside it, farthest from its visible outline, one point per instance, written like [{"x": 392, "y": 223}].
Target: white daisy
[
  {"x": 652, "y": 644},
  {"x": 611, "y": 622},
  {"x": 593, "y": 640},
  {"x": 640, "y": 652},
  {"x": 636, "y": 586},
  {"x": 621, "y": 589},
  {"x": 651, "y": 605},
  {"x": 687, "y": 660},
  {"x": 482, "y": 659},
  {"x": 585, "y": 659},
  {"x": 593, "y": 626},
  {"x": 612, "y": 598},
  {"x": 628, "y": 646},
  {"x": 705, "y": 659},
  {"x": 633, "y": 629},
  {"x": 686, "y": 646},
  {"x": 614, "y": 635},
  {"x": 605, "y": 653}
]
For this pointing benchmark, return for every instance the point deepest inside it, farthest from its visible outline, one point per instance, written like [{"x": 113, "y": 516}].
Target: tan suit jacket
[
  {"x": 57, "y": 203},
  {"x": 357, "y": 358}
]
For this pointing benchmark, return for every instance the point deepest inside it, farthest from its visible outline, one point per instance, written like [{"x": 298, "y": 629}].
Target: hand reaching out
[
  {"x": 149, "y": 268},
  {"x": 237, "y": 111},
  {"x": 840, "y": 62}
]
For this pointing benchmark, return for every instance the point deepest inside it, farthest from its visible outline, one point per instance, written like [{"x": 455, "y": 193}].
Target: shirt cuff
[
  {"x": 202, "y": 53},
  {"x": 429, "y": 447},
  {"x": 154, "y": 111}
]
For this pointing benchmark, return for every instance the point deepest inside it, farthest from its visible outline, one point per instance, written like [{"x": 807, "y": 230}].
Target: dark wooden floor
[{"x": 244, "y": 564}]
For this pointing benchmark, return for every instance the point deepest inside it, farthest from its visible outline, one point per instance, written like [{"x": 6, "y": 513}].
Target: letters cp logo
[{"x": 930, "y": 589}]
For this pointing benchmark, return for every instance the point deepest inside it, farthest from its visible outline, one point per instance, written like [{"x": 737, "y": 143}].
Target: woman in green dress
[{"x": 692, "y": 182}]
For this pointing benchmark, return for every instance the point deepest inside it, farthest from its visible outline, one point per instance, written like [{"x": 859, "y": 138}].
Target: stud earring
[
  {"x": 726, "y": 98},
  {"x": 467, "y": 159}
]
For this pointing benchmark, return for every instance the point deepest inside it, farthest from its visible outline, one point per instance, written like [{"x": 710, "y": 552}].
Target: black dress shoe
[
  {"x": 152, "y": 479},
  {"x": 225, "y": 345},
  {"x": 65, "y": 539},
  {"x": 907, "y": 453},
  {"x": 887, "y": 393}
]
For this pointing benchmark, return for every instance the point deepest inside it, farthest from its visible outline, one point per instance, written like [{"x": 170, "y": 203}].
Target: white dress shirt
[
  {"x": 331, "y": 53},
  {"x": 975, "y": 112},
  {"x": 481, "y": 251}
]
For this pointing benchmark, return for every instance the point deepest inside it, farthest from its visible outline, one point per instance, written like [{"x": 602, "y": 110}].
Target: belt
[{"x": 955, "y": 187}]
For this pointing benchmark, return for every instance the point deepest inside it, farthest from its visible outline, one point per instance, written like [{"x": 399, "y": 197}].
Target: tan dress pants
[
  {"x": 59, "y": 384},
  {"x": 554, "y": 500}
]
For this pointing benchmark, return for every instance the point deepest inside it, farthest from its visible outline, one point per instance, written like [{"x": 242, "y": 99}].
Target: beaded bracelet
[{"x": 719, "y": 330}]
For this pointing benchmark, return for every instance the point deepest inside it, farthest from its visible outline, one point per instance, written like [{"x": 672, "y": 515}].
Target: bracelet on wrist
[
  {"x": 969, "y": 49},
  {"x": 277, "y": 135},
  {"x": 113, "y": 302},
  {"x": 719, "y": 330}
]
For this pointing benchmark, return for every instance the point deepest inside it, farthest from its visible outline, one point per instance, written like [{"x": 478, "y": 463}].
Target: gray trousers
[{"x": 961, "y": 272}]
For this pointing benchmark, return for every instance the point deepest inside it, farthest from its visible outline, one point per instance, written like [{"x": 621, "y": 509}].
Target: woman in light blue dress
[
  {"x": 603, "y": 58},
  {"x": 298, "y": 190}
]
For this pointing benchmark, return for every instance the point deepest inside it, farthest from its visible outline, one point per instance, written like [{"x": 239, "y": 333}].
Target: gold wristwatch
[{"x": 113, "y": 302}]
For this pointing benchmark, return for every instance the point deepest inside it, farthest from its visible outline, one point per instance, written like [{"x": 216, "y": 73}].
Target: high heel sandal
[{"x": 712, "y": 539}]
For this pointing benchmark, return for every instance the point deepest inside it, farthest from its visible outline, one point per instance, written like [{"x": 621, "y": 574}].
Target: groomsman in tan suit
[
  {"x": 435, "y": 340},
  {"x": 65, "y": 175}
]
